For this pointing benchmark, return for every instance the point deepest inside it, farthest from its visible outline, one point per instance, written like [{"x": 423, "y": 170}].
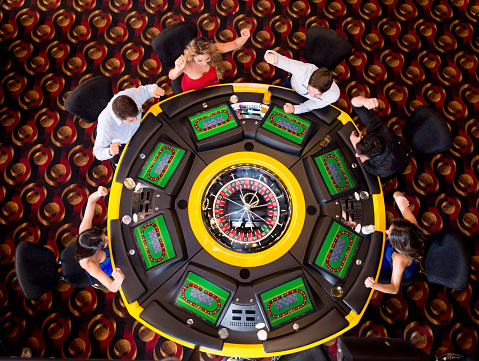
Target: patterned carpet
[{"x": 405, "y": 53}]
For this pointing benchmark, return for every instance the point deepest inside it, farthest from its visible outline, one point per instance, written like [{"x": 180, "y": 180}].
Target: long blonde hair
[{"x": 201, "y": 46}]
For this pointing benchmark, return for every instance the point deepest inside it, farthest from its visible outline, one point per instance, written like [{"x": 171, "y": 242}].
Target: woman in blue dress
[
  {"x": 91, "y": 248},
  {"x": 403, "y": 250}
]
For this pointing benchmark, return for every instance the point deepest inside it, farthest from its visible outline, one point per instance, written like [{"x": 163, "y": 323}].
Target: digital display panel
[
  {"x": 288, "y": 126},
  {"x": 338, "y": 250},
  {"x": 286, "y": 302},
  {"x": 334, "y": 171},
  {"x": 154, "y": 242},
  {"x": 212, "y": 121},
  {"x": 162, "y": 164},
  {"x": 202, "y": 297}
]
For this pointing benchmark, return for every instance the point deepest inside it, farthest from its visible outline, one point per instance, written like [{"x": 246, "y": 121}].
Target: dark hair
[
  {"x": 371, "y": 145},
  {"x": 200, "y": 46},
  {"x": 321, "y": 79},
  {"x": 407, "y": 239},
  {"x": 88, "y": 243},
  {"x": 124, "y": 107}
]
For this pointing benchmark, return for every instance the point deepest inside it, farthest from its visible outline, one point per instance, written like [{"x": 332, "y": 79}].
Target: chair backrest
[
  {"x": 171, "y": 41},
  {"x": 447, "y": 261},
  {"x": 352, "y": 348},
  {"x": 427, "y": 132},
  {"x": 325, "y": 47},
  {"x": 36, "y": 269},
  {"x": 89, "y": 98},
  {"x": 73, "y": 273}
]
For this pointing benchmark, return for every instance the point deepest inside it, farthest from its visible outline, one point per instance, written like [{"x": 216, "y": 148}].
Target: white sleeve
[
  {"x": 287, "y": 64},
  {"x": 101, "y": 148}
]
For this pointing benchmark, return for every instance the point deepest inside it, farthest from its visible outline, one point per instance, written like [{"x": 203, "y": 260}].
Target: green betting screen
[
  {"x": 288, "y": 126},
  {"x": 154, "y": 242},
  {"x": 334, "y": 171},
  {"x": 338, "y": 250},
  {"x": 213, "y": 121},
  {"x": 162, "y": 164},
  {"x": 202, "y": 297},
  {"x": 287, "y": 301}
]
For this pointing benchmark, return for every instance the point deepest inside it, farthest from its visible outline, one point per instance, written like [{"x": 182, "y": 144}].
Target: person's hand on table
[
  {"x": 288, "y": 108},
  {"x": 369, "y": 282},
  {"x": 245, "y": 33},
  {"x": 158, "y": 92},
  {"x": 180, "y": 63},
  {"x": 115, "y": 148},
  {"x": 362, "y": 158},
  {"x": 117, "y": 274},
  {"x": 271, "y": 58}
]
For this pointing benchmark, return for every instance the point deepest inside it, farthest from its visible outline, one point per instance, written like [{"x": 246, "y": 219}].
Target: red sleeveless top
[{"x": 208, "y": 79}]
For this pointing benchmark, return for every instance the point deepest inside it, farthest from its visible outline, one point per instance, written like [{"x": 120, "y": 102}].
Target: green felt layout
[
  {"x": 154, "y": 242},
  {"x": 202, "y": 297},
  {"x": 162, "y": 164},
  {"x": 287, "y": 301},
  {"x": 213, "y": 121},
  {"x": 334, "y": 172},
  {"x": 288, "y": 126},
  {"x": 337, "y": 250}
]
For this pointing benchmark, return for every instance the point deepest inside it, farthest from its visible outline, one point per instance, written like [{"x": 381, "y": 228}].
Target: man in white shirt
[
  {"x": 120, "y": 120},
  {"x": 307, "y": 80}
]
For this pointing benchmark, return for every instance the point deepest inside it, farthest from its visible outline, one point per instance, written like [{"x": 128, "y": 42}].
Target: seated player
[
  {"x": 120, "y": 120},
  {"x": 308, "y": 80},
  {"x": 378, "y": 150},
  {"x": 403, "y": 250},
  {"x": 91, "y": 248},
  {"x": 202, "y": 64}
]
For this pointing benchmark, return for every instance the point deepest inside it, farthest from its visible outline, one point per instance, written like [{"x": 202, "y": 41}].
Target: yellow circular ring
[{"x": 247, "y": 259}]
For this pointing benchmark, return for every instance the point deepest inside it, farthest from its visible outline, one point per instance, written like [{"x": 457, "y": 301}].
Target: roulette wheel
[{"x": 238, "y": 227}]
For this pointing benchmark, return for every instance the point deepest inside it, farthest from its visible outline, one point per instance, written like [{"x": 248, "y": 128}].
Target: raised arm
[
  {"x": 180, "y": 65},
  {"x": 87, "y": 221},
  {"x": 235, "y": 44},
  {"x": 403, "y": 205},
  {"x": 282, "y": 62}
]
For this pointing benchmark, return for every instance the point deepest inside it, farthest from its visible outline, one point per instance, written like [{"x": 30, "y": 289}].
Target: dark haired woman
[
  {"x": 202, "y": 63},
  {"x": 91, "y": 248},
  {"x": 403, "y": 250}
]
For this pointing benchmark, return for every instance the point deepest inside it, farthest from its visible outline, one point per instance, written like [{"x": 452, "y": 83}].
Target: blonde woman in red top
[{"x": 202, "y": 63}]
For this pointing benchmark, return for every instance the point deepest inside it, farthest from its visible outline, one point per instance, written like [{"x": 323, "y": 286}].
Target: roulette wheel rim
[{"x": 228, "y": 255}]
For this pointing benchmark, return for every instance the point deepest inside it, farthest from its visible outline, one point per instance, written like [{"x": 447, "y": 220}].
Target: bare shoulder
[
  {"x": 401, "y": 259},
  {"x": 87, "y": 264}
]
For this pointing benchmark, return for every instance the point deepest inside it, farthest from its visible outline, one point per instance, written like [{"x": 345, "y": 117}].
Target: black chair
[
  {"x": 378, "y": 349},
  {"x": 73, "y": 274},
  {"x": 170, "y": 43},
  {"x": 447, "y": 261},
  {"x": 36, "y": 269},
  {"x": 426, "y": 132},
  {"x": 325, "y": 47},
  {"x": 89, "y": 98}
]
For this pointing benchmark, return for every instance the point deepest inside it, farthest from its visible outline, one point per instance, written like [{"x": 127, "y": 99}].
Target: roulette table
[{"x": 243, "y": 229}]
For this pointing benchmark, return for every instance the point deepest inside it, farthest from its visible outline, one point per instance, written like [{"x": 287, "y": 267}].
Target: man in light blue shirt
[
  {"x": 307, "y": 80},
  {"x": 120, "y": 120}
]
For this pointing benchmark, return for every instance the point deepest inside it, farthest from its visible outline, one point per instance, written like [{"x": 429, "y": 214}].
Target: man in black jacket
[{"x": 378, "y": 150}]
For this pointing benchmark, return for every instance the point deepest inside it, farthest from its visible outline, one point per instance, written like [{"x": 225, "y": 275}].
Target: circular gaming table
[{"x": 239, "y": 227}]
